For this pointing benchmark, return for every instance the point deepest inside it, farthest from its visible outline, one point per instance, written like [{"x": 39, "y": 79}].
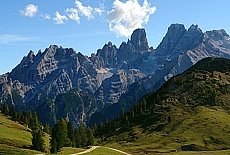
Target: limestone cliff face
[{"x": 111, "y": 76}]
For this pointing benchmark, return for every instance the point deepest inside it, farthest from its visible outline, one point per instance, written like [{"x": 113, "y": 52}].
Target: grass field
[
  {"x": 70, "y": 150},
  {"x": 14, "y": 134},
  {"x": 222, "y": 152},
  {"x": 16, "y": 138},
  {"x": 103, "y": 151},
  {"x": 207, "y": 129}
]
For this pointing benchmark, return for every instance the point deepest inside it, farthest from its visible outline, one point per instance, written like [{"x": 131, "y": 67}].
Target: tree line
[{"x": 62, "y": 133}]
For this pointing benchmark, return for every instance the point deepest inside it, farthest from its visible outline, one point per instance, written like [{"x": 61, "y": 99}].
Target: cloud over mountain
[
  {"x": 123, "y": 18},
  {"x": 127, "y": 16}
]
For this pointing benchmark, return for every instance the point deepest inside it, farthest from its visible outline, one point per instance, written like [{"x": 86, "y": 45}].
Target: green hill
[
  {"x": 14, "y": 137},
  {"x": 190, "y": 112}
]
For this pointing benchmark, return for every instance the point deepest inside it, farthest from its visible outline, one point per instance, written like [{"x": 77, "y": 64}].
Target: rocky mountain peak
[
  {"x": 30, "y": 54},
  {"x": 139, "y": 40},
  {"x": 192, "y": 38},
  {"x": 176, "y": 28},
  {"x": 218, "y": 34},
  {"x": 109, "y": 54},
  {"x": 173, "y": 36}
]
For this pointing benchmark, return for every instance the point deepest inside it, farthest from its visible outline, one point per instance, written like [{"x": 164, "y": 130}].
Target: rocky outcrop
[{"x": 139, "y": 40}]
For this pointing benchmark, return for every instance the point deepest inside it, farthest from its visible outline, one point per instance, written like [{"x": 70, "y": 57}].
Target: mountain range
[{"x": 59, "y": 82}]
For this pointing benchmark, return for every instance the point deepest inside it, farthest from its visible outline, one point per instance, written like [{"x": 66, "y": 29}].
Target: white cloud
[
  {"x": 73, "y": 14},
  {"x": 45, "y": 16},
  {"x": 59, "y": 19},
  {"x": 29, "y": 11},
  {"x": 85, "y": 11},
  {"x": 125, "y": 17},
  {"x": 99, "y": 11}
]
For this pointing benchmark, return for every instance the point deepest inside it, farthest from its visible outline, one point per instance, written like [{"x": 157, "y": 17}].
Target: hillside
[
  {"x": 14, "y": 137},
  {"x": 190, "y": 112}
]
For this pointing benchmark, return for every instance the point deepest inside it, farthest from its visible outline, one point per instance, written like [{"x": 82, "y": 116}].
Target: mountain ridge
[{"x": 109, "y": 74}]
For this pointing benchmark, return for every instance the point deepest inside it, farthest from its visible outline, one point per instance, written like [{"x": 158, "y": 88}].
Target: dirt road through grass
[{"x": 94, "y": 147}]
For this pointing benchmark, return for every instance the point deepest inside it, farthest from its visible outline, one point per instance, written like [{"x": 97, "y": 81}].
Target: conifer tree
[
  {"x": 100, "y": 124},
  {"x": 38, "y": 142},
  {"x": 127, "y": 119},
  {"x": 5, "y": 109},
  {"x": 11, "y": 111},
  {"x": 83, "y": 136},
  {"x": 95, "y": 128},
  {"x": 132, "y": 113},
  {"x": 71, "y": 133},
  {"x": 90, "y": 138},
  {"x": 47, "y": 128},
  {"x": 62, "y": 134},
  {"x": 34, "y": 122},
  {"x": 59, "y": 136},
  {"x": 53, "y": 146},
  {"x": 77, "y": 138}
]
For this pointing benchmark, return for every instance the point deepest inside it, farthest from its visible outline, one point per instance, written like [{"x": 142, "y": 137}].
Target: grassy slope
[
  {"x": 15, "y": 138},
  {"x": 14, "y": 134},
  {"x": 198, "y": 102}
]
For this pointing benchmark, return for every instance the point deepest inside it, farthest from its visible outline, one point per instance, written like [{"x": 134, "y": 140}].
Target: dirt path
[
  {"x": 86, "y": 151},
  {"x": 94, "y": 147},
  {"x": 117, "y": 150}
]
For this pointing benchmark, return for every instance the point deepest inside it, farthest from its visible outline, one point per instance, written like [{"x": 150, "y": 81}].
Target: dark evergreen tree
[
  {"x": 77, "y": 138},
  {"x": 53, "y": 145},
  {"x": 95, "y": 126},
  {"x": 106, "y": 120},
  {"x": 127, "y": 119},
  {"x": 83, "y": 136},
  {"x": 132, "y": 113},
  {"x": 47, "y": 128},
  {"x": 11, "y": 111},
  {"x": 34, "y": 122},
  {"x": 144, "y": 106},
  {"x": 38, "y": 142},
  {"x": 59, "y": 136},
  {"x": 5, "y": 109},
  {"x": 100, "y": 124},
  {"x": 70, "y": 131},
  {"x": 62, "y": 134},
  {"x": 90, "y": 138},
  {"x": 26, "y": 122}
]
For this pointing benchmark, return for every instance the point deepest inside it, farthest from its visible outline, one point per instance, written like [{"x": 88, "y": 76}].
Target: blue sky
[{"x": 86, "y": 25}]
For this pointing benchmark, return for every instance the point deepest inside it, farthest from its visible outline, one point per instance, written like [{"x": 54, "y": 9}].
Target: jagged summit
[
  {"x": 139, "y": 40},
  {"x": 178, "y": 39}
]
